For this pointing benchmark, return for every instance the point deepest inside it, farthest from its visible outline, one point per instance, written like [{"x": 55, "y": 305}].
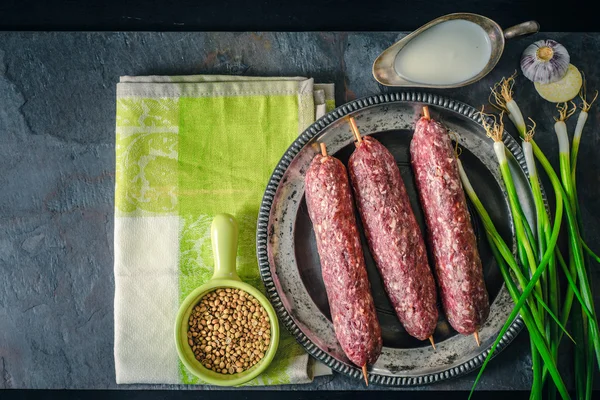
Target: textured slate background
[
  {"x": 57, "y": 108},
  {"x": 277, "y": 15}
]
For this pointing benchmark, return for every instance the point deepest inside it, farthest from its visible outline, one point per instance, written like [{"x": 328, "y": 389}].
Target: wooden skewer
[
  {"x": 364, "y": 371},
  {"x": 355, "y": 130},
  {"x": 323, "y": 149},
  {"x": 426, "y": 112},
  {"x": 476, "y": 334},
  {"x": 432, "y": 342}
]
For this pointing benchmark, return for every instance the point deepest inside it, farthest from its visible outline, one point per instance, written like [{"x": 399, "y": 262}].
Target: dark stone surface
[
  {"x": 277, "y": 15},
  {"x": 57, "y": 107}
]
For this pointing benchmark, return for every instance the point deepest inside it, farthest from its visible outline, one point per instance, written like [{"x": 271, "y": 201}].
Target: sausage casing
[
  {"x": 331, "y": 210},
  {"x": 450, "y": 233},
  {"x": 394, "y": 237}
]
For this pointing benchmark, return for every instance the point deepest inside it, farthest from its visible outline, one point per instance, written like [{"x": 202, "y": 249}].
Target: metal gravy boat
[{"x": 385, "y": 73}]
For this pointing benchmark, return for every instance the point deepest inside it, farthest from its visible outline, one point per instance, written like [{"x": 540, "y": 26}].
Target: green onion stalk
[
  {"x": 525, "y": 245},
  {"x": 560, "y": 127},
  {"x": 544, "y": 236},
  {"x": 584, "y": 351},
  {"x": 581, "y": 331},
  {"x": 585, "y": 331},
  {"x": 584, "y": 377},
  {"x": 503, "y": 99},
  {"x": 527, "y": 257},
  {"x": 576, "y": 272},
  {"x": 581, "y": 120},
  {"x": 522, "y": 299}
]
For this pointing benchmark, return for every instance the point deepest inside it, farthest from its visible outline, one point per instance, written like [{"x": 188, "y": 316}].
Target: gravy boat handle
[{"x": 524, "y": 28}]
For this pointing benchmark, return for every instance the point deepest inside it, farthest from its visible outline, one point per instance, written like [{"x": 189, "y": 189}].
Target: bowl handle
[
  {"x": 224, "y": 238},
  {"x": 525, "y": 28}
]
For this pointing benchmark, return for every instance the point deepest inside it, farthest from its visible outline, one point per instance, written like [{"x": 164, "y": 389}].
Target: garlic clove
[
  {"x": 545, "y": 61},
  {"x": 563, "y": 90}
]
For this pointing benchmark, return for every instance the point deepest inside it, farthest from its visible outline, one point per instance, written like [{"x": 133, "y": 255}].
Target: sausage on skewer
[
  {"x": 394, "y": 236},
  {"x": 454, "y": 246},
  {"x": 331, "y": 210}
]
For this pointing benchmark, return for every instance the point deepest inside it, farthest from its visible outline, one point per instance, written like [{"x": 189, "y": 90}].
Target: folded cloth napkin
[{"x": 188, "y": 148}]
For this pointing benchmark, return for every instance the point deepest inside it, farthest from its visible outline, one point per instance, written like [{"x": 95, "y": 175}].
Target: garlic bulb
[{"x": 545, "y": 61}]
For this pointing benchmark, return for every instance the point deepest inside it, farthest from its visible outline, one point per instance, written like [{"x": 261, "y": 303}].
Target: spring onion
[
  {"x": 543, "y": 231},
  {"x": 581, "y": 120},
  {"x": 576, "y": 272},
  {"x": 495, "y": 131},
  {"x": 585, "y": 351},
  {"x": 560, "y": 127},
  {"x": 504, "y": 257},
  {"x": 583, "y": 380},
  {"x": 535, "y": 321}
]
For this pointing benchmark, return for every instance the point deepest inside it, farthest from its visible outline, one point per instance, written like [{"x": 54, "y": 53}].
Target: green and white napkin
[{"x": 187, "y": 148}]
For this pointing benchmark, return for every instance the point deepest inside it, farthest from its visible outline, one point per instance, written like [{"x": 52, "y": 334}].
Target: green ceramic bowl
[{"x": 224, "y": 236}]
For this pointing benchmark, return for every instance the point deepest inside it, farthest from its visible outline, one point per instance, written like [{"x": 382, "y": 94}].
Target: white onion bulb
[{"x": 545, "y": 61}]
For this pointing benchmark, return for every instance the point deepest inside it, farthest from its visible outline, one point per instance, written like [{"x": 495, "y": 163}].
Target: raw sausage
[
  {"x": 394, "y": 236},
  {"x": 453, "y": 243},
  {"x": 331, "y": 210}
]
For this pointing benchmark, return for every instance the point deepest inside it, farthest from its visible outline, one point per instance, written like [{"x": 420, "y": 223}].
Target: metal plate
[{"x": 289, "y": 262}]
